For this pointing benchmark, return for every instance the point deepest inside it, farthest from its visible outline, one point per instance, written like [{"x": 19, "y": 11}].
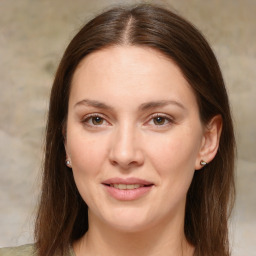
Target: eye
[
  {"x": 160, "y": 120},
  {"x": 94, "y": 120}
]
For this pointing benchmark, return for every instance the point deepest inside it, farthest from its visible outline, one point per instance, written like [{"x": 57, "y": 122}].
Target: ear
[
  {"x": 64, "y": 134},
  {"x": 210, "y": 141}
]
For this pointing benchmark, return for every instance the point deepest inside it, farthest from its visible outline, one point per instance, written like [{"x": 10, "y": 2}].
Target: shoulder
[
  {"x": 26, "y": 250},
  {"x": 23, "y": 250}
]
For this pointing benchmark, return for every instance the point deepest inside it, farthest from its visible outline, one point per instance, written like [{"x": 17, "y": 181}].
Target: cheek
[
  {"x": 174, "y": 156},
  {"x": 87, "y": 156},
  {"x": 174, "y": 161},
  {"x": 86, "y": 153},
  {"x": 174, "y": 150}
]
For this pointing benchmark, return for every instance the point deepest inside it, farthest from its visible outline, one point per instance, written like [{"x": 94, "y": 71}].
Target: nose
[{"x": 126, "y": 151}]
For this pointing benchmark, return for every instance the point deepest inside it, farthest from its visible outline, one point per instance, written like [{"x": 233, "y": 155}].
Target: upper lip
[{"x": 127, "y": 181}]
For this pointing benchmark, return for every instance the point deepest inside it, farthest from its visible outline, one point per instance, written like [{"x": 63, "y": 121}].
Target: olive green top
[{"x": 25, "y": 250}]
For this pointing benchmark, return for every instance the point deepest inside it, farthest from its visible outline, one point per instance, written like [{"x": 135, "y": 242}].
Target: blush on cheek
[
  {"x": 87, "y": 157},
  {"x": 84, "y": 164},
  {"x": 174, "y": 157}
]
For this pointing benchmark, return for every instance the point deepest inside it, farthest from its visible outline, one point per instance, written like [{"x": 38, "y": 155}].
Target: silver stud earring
[
  {"x": 203, "y": 163},
  {"x": 68, "y": 163}
]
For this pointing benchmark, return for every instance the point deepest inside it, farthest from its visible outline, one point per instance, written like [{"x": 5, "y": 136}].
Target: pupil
[
  {"x": 97, "y": 120},
  {"x": 159, "y": 120}
]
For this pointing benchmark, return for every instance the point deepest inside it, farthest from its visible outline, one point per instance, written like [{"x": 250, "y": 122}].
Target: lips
[
  {"x": 128, "y": 181},
  {"x": 127, "y": 189},
  {"x": 126, "y": 186}
]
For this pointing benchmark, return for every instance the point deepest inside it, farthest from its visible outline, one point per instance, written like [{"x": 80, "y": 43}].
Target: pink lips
[{"x": 115, "y": 190}]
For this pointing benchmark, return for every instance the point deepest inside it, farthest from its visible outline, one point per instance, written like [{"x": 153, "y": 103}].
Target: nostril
[{"x": 113, "y": 162}]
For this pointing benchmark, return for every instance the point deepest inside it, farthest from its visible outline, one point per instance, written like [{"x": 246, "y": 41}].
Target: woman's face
[{"x": 133, "y": 136}]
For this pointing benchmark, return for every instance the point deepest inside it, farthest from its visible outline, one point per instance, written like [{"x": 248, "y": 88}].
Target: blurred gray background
[{"x": 33, "y": 36}]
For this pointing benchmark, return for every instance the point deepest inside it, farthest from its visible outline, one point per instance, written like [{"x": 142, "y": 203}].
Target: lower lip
[{"x": 127, "y": 194}]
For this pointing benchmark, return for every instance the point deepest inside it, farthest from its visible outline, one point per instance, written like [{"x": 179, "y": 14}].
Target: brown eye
[
  {"x": 159, "y": 120},
  {"x": 97, "y": 120},
  {"x": 94, "y": 120}
]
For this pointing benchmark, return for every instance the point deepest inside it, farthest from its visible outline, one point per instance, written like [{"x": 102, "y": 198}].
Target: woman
[{"x": 139, "y": 144}]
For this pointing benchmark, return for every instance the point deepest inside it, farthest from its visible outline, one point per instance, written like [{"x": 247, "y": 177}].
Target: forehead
[
  {"x": 129, "y": 72},
  {"x": 135, "y": 59}
]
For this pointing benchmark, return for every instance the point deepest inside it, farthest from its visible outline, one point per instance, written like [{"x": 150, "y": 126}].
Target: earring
[
  {"x": 68, "y": 163},
  {"x": 203, "y": 163}
]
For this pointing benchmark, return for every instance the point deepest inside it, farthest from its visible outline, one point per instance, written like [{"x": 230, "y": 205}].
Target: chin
[
  {"x": 128, "y": 221},
  {"x": 130, "y": 227}
]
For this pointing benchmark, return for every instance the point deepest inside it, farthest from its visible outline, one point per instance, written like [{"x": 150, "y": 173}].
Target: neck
[{"x": 167, "y": 239}]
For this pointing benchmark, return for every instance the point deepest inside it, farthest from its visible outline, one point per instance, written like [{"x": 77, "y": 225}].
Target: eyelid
[
  {"x": 88, "y": 116},
  {"x": 167, "y": 117},
  {"x": 151, "y": 117}
]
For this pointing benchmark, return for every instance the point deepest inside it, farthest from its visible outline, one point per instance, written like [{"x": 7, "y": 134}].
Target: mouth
[
  {"x": 123, "y": 186},
  {"x": 128, "y": 183},
  {"x": 127, "y": 189}
]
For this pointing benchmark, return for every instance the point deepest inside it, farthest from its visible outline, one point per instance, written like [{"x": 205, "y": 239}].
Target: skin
[{"x": 125, "y": 141}]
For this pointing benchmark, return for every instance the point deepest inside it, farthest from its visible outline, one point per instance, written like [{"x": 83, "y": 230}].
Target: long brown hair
[{"x": 62, "y": 214}]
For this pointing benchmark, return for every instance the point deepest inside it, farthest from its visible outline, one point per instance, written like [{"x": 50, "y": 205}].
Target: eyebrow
[
  {"x": 94, "y": 103},
  {"x": 161, "y": 103},
  {"x": 142, "y": 107}
]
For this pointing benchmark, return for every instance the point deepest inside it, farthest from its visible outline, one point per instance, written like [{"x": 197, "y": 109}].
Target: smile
[
  {"x": 126, "y": 186},
  {"x": 127, "y": 189}
]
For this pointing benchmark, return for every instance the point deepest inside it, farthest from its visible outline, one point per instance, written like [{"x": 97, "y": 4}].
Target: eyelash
[
  {"x": 165, "y": 117},
  {"x": 90, "y": 116},
  {"x": 152, "y": 117}
]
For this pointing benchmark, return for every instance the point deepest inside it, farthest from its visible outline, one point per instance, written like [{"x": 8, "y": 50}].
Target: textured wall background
[{"x": 33, "y": 36}]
